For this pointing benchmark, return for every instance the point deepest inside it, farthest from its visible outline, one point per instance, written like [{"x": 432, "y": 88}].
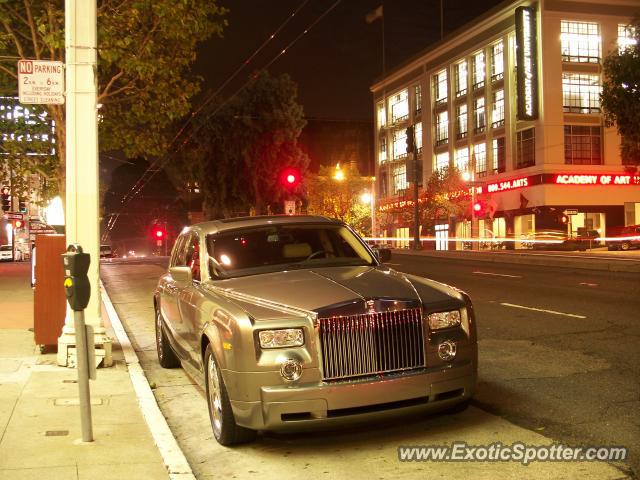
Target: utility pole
[
  {"x": 81, "y": 209},
  {"x": 411, "y": 150}
]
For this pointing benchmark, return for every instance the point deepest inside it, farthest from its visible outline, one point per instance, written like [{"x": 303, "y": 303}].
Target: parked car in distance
[
  {"x": 624, "y": 238},
  {"x": 106, "y": 251},
  {"x": 294, "y": 322},
  {"x": 6, "y": 253}
]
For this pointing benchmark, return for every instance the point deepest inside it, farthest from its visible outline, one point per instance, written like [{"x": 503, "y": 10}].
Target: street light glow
[
  {"x": 365, "y": 198},
  {"x": 466, "y": 176},
  {"x": 339, "y": 175}
]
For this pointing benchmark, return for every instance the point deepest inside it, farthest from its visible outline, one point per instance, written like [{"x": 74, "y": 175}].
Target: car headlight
[
  {"x": 441, "y": 320},
  {"x": 287, "y": 337}
]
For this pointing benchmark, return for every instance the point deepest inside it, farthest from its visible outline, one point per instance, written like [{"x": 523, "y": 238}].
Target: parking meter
[{"x": 76, "y": 282}]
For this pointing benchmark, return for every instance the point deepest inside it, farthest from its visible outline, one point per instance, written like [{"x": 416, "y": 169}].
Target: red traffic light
[
  {"x": 477, "y": 207},
  {"x": 290, "y": 177},
  {"x": 159, "y": 233},
  {"x": 564, "y": 219}
]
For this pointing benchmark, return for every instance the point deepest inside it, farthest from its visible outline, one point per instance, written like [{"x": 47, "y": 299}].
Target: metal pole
[
  {"x": 83, "y": 375},
  {"x": 417, "y": 245}
]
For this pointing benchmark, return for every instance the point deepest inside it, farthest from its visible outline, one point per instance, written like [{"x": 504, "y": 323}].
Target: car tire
[
  {"x": 223, "y": 423},
  {"x": 624, "y": 246},
  {"x": 166, "y": 356}
]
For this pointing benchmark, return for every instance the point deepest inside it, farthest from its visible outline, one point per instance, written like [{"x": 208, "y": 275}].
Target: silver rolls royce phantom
[{"x": 291, "y": 322}]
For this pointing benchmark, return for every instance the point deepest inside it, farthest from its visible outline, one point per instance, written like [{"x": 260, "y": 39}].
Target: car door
[
  {"x": 170, "y": 291},
  {"x": 187, "y": 301}
]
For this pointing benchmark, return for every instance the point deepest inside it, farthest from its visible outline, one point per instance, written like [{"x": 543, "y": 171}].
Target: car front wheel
[
  {"x": 222, "y": 421},
  {"x": 166, "y": 356},
  {"x": 625, "y": 246}
]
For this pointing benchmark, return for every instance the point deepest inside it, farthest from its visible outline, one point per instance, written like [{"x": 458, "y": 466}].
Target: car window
[
  {"x": 276, "y": 248},
  {"x": 193, "y": 257},
  {"x": 178, "y": 254}
]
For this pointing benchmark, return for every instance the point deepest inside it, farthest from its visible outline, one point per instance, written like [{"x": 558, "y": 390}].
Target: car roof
[{"x": 222, "y": 225}]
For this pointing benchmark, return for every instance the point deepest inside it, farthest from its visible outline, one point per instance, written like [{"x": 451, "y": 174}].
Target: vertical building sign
[{"x": 527, "y": 59}]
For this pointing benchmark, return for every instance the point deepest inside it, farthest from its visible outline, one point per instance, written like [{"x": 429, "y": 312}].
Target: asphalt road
[
  {"x": 574, "y": 374},
  {"x": 568, "y": 376}
]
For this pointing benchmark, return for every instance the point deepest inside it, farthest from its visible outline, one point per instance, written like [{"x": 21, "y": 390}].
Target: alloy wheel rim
[{"x": 214, "y": 396}]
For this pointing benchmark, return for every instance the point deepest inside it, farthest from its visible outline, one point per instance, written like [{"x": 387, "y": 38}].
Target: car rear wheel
[
  {"x": 222, "y": 421},
  {"x": 166, "y": 356},
  {"x": 625, "y": 246}
]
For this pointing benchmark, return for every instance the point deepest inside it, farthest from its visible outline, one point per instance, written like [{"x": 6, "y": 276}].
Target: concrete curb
[
  {"x": 583, "y": 262},
  {"x": 172, "y": 455}
]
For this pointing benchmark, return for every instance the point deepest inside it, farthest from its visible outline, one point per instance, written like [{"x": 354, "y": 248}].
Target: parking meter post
[{"x": 83, "y": 376}]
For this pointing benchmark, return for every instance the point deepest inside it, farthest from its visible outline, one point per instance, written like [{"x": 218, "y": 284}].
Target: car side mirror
[
  {"x": 384, "y": 254},
  {"x": 182, "y": 275}
]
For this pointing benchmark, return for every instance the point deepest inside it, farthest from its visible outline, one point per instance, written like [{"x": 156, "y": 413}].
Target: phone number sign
[{"x": 40, "y": 81}]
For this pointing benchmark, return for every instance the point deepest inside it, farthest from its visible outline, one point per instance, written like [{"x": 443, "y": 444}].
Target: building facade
[{"x": 513, "y": 100}]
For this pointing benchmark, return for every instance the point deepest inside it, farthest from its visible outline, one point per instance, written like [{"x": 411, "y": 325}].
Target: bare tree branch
[
  {"x": 32, "y": 27},
  {"x": 10, "y": 31},
  {"x": 105, "y": 92},
  {"x": 9, "y": 72}
]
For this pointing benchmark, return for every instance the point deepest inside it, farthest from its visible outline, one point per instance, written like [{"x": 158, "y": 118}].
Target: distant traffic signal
[
  {"x": 6, "y": 198},
  {"x": 479, "y": 208},
  {"x": 290, "y": 178},
  {"x": 18, "y": 224},
  {"x": 159, "y": 233},
  {"x": 22, "y": 206},
  {"x": 564, "y": 219}
]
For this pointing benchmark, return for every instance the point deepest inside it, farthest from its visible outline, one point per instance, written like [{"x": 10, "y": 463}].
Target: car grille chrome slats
[{"x": 369, "y": 344}]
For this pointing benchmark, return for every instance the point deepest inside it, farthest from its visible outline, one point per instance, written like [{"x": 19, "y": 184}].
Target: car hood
[{"x": 336, "y": 290}]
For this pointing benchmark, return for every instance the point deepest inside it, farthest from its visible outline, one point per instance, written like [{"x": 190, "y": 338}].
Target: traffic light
[
  {"x": 290, "y": 178},
  {"x": 479, "y": 208},
  {"x": 6, "y": 198},
  {"x": 564, "y": 219},
  {"x": 159, "y": 233},
  {"x": 18, "y": 224},
  {"x": 410, "y": 142},
  {"x": 22, "y": 206}
]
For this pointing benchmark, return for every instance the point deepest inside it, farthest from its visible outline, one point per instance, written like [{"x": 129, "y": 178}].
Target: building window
[
  {"x": 399, "y": 106},
  {"x": 525, "y": 148},
  {"x": 499, "y": 155},
  {"x": 418, "y": 137},
  {"x": 382, "y": 154},
  {"x": 580, "y": 42},
  {"x": 497, "y": 110},
  {"x": 440, "y": 87},
  {"x": 582, "y": 145},
  {"x": 461, "y": 121},
  {"x": 418, "y": 96},
  {"x": 497, "y": 62},
  {"x": 399, "y": 144},
  {"x": 478, "y": 115},
  {"x": 399, "y": 175},
  {"x": 580, "y": 93},
  {"x": 478, "y": 70},
  {"x": 461, "y": 78},
  {"x": 384, "y": 184},
  {"x": 382, "y": 115},
  {"x": 626, "y": 37},
  {"x": 480, "y": 158},
  {"x": 462, "y": 159},
  {"x": 442, "y": 127},
  {"x": 442, "y": 161}
]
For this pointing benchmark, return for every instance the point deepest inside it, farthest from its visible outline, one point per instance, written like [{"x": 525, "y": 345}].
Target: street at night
[{"x": 565, "y": 377}]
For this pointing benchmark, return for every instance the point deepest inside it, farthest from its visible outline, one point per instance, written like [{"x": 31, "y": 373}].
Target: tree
[
  {"x": 340, "y": 199},
  {"x": 620, "y": 96},
  {"x": 144, "y": 56},
  {"x": 238, "y": 153}
]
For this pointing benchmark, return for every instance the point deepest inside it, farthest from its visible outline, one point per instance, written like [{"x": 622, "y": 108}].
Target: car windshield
[{"x": 283, "y": 247}]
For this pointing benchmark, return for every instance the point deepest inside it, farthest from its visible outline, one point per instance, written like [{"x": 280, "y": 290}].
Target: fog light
[
  {"x": 447, "y": 350},
  {"x": 291, "y": 370}
]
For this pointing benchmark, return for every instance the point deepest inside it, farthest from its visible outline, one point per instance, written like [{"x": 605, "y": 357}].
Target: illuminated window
[
  {"x": 442, "y": 127},
  {"x": 382, "y": 115},
  {"x": 418, "y": 96},
  {"x": 499, "y": 155},
  {"x": 580, "y": 93},
  {"x": 580, "y": 41},
  {"x": 442, "y": 160},
  {"x": 582, "y": 145},
  {"x": 461, "y": 121},
  {"x": 478, "y": 115},
  {"x": 399, "y": 106},
  {"x": 462, "y": 159},
  {"x": 440, "y": 87},
  {"x": 497, "y": 110},
  {"x": 382, "y": 154},
  {"x": 626, "y": 37},
  {"x": 478, "y": 70},
  {"x": 526, "y": 148},
  {"x": 480, "y": 158},
  {"x": 418, "y": 136},
  {"x": 497, "y": 62},
  {"x": 399, "y": 144},
  {"x": 461, "y": 78},
  {"x": 399, "y": 175}
]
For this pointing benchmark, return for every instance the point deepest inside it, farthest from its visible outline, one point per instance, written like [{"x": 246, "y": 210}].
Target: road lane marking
[
  {"x": 498, "y": 274},
  {"x": 553, "y": 312},
  {"x": 587, "y": 284}
]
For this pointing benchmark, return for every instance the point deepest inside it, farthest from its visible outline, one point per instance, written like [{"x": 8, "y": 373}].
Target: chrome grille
[{"x": 367, "y": 344}]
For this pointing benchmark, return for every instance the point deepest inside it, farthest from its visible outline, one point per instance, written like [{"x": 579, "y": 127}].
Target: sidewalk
[
  {"x": 595, "y": 259},
  {"x": 40, "y": 432}
]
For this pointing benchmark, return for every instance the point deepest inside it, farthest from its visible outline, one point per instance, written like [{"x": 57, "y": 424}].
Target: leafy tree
[
  {"x": 340, "y": 198},
  {"x": 145, "y": 50},
  {"x": 621, "y": 94},
  {"x": 237, "y": 155}
]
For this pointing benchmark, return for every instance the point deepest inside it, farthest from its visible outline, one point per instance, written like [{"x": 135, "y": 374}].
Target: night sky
[{"x": 337, "y": 61}]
